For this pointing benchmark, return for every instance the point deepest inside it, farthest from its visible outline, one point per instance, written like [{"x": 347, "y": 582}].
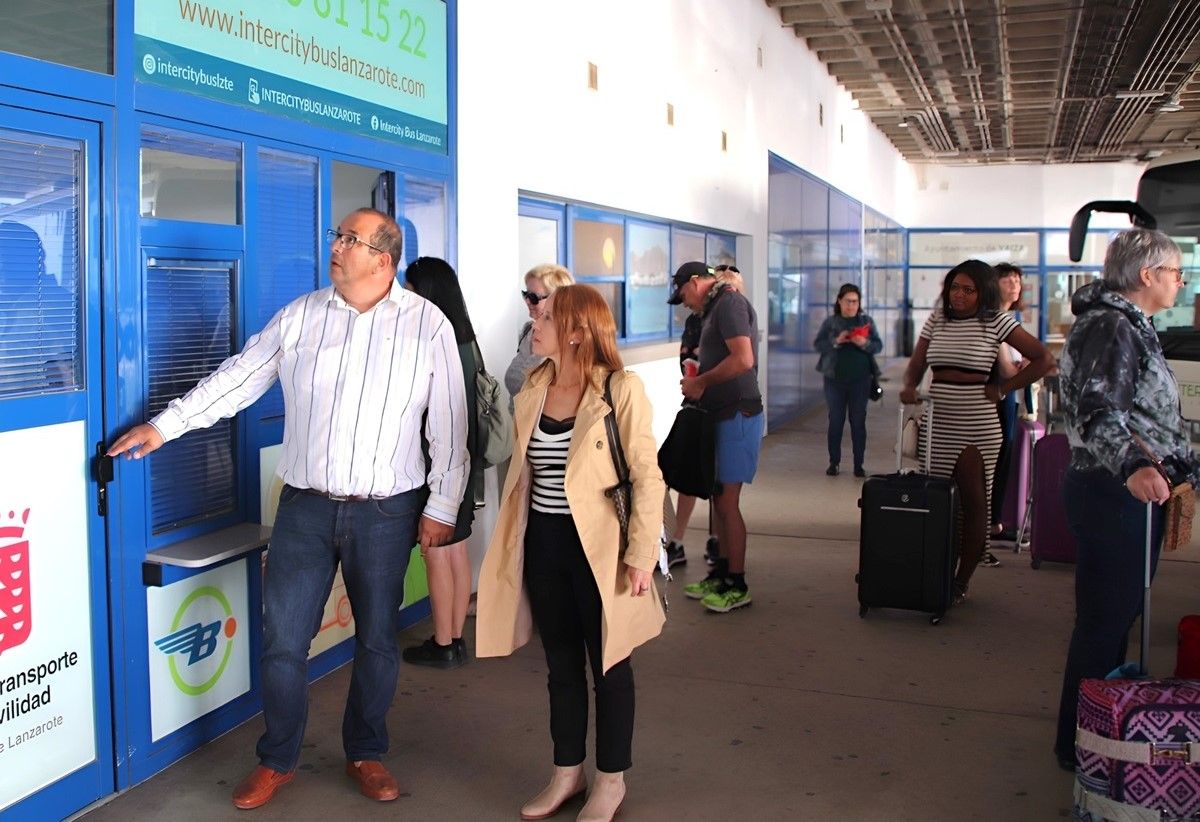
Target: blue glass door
[{"x": 56, "y": 751}]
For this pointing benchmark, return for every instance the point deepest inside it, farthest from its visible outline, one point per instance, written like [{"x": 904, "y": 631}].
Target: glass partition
[
  {"x": 190, "y": 177},
  {"x": 79, "y": 36},
  {"x": 814, "y": 244}
]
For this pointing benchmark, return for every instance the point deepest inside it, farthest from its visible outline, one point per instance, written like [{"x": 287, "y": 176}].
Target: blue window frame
[{"x": 629, "y": 258}]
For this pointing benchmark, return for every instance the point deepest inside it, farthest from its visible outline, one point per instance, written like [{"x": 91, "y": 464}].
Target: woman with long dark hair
[
  {"x": 959, "y": 343},
  {"x": 448, "y": 568},
  {"x": 847, "y": 342},
  {"x": 556, "y": 558}
]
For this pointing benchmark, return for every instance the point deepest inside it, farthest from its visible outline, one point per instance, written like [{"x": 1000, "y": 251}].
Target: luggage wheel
[
  {"x": 862, "y": 610},
  {"x": 936, "y": 619},
  {"x": 1035, "y": 564}
]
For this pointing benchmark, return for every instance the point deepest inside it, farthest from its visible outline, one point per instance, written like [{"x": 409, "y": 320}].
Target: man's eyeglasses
[
  {"x": 348, "y": 241},
  {"x": 1177, "y": 271},
  {"x": 533, "y": 298}
]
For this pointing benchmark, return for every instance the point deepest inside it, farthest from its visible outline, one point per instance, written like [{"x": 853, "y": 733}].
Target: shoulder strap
[
  {"x": 614, "y": 435},
  {"x": 1155, "y": 461},
  {"x": 479, "y": 366}
]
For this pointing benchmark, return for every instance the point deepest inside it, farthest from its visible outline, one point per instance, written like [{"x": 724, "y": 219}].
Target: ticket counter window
[
  {"x": 600, "y": 261},
  {"x": 423, "y": 219},
  {"x": 189, "y": 177},
  {"x": 356, "y": 186},
  {"x": 79, "y": 33}
]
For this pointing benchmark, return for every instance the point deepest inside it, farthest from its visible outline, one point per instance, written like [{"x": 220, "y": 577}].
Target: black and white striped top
[
  {"x": 355, "y": 389},
  {"x": 966, "y": 345},
  {"x": 547, "y": 457}
]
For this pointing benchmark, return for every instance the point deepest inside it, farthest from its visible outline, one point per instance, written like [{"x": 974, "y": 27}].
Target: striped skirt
[{"x": 962, "y": 416}]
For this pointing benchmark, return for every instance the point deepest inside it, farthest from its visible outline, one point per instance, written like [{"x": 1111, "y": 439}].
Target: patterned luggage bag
[
  {"x": 1138, "y": 750},
  {"x": 1137, "y": 741}
]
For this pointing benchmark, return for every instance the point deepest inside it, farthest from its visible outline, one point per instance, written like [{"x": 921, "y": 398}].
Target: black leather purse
[{"x": 622, "y": 493}]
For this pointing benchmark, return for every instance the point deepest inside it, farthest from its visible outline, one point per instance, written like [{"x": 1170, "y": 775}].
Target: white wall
[
  {"x": 1025, "y": 196},
  {"x": 527, "y": 122}
]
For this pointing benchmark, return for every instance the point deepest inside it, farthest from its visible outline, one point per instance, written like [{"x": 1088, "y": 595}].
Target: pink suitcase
[
  {"x": 1050, "y": 537},
  {"x": 1014, "y": 509}
]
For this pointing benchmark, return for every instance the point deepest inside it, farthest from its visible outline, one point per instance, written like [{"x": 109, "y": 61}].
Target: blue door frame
[{"x": 84, "y": 125}]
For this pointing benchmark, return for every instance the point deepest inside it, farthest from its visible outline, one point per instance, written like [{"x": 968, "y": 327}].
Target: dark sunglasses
[{"x": 534, "y": 299}]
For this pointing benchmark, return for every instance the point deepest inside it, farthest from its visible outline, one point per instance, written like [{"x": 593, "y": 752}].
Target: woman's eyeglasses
[
  {"x": 534, "y": 298},
  {"x": 1178, "y": 272}
]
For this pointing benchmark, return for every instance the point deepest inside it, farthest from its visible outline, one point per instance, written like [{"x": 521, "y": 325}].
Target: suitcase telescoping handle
[
  {"x": 928, "y": 403},
  {"x": 1144, "y": 654}
]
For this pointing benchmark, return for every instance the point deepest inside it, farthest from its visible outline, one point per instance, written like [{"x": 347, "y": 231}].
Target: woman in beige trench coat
[{"x": 555, "y": 559}]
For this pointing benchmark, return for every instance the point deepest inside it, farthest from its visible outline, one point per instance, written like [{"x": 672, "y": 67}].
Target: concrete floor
[{"x": 793, "y": 708}]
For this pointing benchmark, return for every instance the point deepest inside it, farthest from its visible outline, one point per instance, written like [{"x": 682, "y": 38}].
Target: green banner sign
[{"x": 372, "y": 67}]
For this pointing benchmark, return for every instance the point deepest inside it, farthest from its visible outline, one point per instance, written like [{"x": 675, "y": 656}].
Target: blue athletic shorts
[{"x": 738, "y": 440}]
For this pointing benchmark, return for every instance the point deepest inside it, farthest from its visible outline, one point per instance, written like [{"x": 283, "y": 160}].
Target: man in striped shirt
[{"x": 362, "y": 363}]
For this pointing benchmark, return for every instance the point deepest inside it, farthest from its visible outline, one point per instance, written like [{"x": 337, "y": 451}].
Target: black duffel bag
[{"x": 687, "y": 458}]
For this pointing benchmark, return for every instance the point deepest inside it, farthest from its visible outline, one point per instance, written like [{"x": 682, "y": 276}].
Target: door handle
[{"x": 102, "y": 473}]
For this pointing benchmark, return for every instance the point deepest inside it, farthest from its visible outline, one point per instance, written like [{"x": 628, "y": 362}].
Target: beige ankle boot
[
  {"x": 605, "y": 798},
  {"x": 564, "y": 785}
]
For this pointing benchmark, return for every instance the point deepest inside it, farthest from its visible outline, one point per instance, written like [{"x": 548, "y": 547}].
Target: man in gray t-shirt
[{"x": 727, "y": 387}]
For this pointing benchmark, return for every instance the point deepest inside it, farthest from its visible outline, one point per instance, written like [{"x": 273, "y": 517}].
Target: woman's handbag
[
  {"x": 622, "y": 493},
  {"x": 1178, "y": 510},
  {"x": 687, "y": 457}
]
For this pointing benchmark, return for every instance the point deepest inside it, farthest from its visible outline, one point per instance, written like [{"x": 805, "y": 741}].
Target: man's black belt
[{"x": 335, "y": 497}]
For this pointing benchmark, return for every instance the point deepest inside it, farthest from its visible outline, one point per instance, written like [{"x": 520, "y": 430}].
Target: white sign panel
[
  {"x": 199, "y": 646},
  {"x": 337, "y": 622},
  {"x": 47, "y": 720}
]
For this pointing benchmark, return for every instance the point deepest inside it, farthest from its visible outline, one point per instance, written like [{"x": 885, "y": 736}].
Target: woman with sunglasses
[
  {"x": 960, "y": 343},
  {"x": 540, "y": 283}
]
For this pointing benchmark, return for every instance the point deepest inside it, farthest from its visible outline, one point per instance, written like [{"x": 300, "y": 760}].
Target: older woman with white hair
[
  {"x": 540, "y": 282},
  {"x": 1117, "y": 390}
]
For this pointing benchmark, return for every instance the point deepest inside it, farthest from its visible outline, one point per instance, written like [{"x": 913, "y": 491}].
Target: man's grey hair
[{"x": 1130, "y": 252}]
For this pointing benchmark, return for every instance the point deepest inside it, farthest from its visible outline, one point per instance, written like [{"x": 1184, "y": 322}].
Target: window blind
[
  {"x": 40, "y": 266},
  {"x": 287, "y": 239},
  {"x": 188, "y": 335}
]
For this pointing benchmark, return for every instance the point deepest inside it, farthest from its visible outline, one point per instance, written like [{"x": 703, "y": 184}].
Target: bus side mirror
[{"x": 1139, "y": 216}]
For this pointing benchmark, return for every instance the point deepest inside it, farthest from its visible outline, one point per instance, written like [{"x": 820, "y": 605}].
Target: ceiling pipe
[
  {"x": 1172, "y": 42},
  {"x": 1117, "y": 44}
]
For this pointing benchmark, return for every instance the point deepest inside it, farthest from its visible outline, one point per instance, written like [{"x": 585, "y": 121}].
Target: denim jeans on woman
[
  {"x": 842, "y": 398},
  {"x": 1110, "y": 529},
  {"x": 372, "y": 540}
]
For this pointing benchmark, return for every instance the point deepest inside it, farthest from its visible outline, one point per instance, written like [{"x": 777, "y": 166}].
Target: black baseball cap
[{"x": 684, "y": 275}]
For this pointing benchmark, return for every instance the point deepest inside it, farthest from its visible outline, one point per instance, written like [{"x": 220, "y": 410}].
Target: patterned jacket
[{"x": 1116, "y": 383}]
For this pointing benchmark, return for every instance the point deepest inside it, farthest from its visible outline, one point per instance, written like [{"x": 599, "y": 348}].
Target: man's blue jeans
[{"x": 372, "y": 541}]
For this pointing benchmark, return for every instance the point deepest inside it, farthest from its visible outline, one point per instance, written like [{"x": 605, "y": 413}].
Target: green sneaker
[
  {"x": 726, "y": 600},
  {"x": 701, "y": 589}
]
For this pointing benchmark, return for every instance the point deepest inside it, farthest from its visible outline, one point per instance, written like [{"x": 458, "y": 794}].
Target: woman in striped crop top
[
  {"x": 556, "y": 558},
  {"x": 959, "y": 343}
]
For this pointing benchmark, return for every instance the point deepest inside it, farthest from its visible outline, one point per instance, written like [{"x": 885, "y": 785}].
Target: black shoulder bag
[{"x": 622, "y": 493}]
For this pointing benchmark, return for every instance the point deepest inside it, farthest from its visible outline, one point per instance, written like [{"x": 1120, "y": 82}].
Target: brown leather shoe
[
  {"x": 258, "y": 788},
  {"x": 373, "y": 780}
]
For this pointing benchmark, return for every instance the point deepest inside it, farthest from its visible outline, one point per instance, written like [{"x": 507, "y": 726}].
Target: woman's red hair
[{"x": 581, "y": 311}]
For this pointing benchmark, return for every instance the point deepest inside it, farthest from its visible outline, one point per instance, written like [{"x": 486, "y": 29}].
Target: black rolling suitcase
[{"x": 908, "y": 538}]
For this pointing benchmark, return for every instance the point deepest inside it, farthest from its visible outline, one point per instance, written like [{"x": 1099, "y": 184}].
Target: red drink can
[{"x": 691, "y": 368}]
